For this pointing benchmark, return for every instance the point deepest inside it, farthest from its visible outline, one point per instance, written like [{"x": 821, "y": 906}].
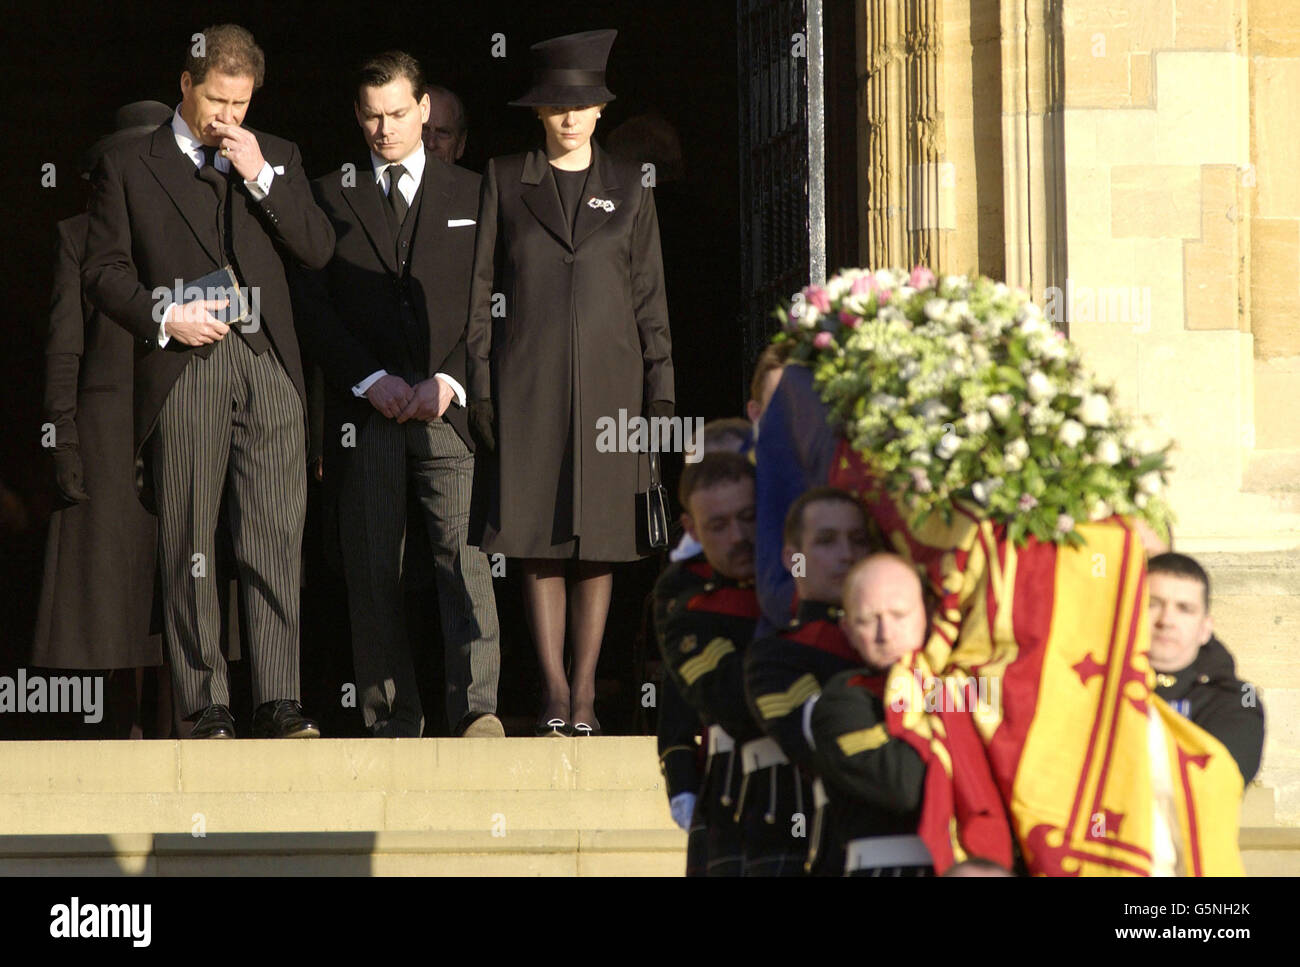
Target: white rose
[
  {"x": 933, "y": 411},
  {"x": 978, "y": 422},
  {"x": 1072, "y": 433},
  {"x": 948, "y": 445},
  {"x": 885, "y": 402},
  {"x": 1108, "y": 452},
  {"x": 919, "y": 456},
  {"x": 981, "y": 490},
  {"x": 1149, "y": 483},
  {"x": 1100, "y": 510},
  {"x": 1095, "y": 410},
  {"x": 1040, "y": 387},
  {"x": 1000, "y": 406},
  {"x": 935, "y": 308},
  {"x": 1017, "y": 450}
]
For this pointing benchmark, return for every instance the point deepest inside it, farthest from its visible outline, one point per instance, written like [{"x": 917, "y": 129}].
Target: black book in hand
[{"x": 216, "y": 286}]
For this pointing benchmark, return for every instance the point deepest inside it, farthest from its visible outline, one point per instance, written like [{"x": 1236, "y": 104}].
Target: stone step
[
  {"x": 558, "y": 852},
  {"x": 1273, "y": 472}
]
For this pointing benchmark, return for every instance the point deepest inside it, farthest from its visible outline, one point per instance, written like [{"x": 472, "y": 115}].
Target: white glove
[{"x": 682, "y": 806}]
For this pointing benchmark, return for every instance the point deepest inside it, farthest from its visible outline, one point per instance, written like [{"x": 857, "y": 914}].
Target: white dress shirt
[
  {"x": 192, "y": 148},
  {"x": 407, "y": 184}
]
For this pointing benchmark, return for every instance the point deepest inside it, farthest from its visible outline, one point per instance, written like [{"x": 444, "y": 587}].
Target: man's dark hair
[
  {"x": 1180, "y": 565},
  {"x": 773, "y": 357},
  {"x": 792, "y": 534},
  {"x": 711, "y": 470},
  {"x": 731, "y": 432},
  {"x": 460, "y": 121},
  {"x": 227, "y": 49},
  {"x": 387, "y": 67}
]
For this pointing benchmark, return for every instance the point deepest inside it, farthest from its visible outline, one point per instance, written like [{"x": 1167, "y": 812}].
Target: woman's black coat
[{"x": 562, "y": 333}]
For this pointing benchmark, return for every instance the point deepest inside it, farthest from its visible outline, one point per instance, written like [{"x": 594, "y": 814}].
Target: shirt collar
[
  {"x": 190, "y": 146},
  {"x": 413, "y": 163}
]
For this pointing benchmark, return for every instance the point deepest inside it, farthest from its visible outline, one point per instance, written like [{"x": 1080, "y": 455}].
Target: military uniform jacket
[
  {"x": 1209, "y": 693},
  {"x": 704, "y": 623},
  {"x": 679, "y": 754},
  {"x": 785, "y": 670},
  {"x": 875, "y": 781}
]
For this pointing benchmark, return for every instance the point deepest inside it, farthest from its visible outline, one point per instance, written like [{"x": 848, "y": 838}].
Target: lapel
[
  {"x": 431, "y": 234},
  {"x": 193, "y": 198},
  {"x": 602, "y": 183},
  {"x": 366, "y": 199},
  {"x": 542, "y": 196}
]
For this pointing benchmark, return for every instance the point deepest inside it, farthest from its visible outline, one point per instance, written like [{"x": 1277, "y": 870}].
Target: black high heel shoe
[
  {"x": 582, "y": 728},
  {"x": 556, "y": 726}
]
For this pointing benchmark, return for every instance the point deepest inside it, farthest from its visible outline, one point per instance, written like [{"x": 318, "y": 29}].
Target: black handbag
[{"x": 652, "y": 513}]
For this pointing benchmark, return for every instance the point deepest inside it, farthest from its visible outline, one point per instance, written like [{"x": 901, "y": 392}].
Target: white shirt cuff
[
  {"x": 163, "y": 338},
  {"x": 369, "y": 381},
  {"x": 260, "y": 186},
  {"x": 455, "y": 387}
]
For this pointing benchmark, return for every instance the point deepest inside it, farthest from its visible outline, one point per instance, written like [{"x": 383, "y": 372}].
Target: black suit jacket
[
  {"x": 152, "y": 221},
  {"x": 351, "y": 310}
]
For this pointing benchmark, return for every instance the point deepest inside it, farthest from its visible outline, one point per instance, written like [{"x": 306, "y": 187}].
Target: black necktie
[
  {"x": 396, "y": 201},
  {"x": 209, "y": 172}
]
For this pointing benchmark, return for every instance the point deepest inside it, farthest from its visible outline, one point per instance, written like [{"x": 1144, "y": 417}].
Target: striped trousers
[
  {"x": 373, "y": 529},
  {"x": 231, "y": 428}
]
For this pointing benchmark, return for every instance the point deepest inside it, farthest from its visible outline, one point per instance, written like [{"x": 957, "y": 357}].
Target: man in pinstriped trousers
[
  {"x": 386, "y": 321},
  {"x": 219, "y": 410}
]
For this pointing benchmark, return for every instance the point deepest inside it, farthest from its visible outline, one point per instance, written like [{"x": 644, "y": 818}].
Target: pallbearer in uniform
[
  {"x": 875, "y": 781},
  {"x": 825, "y": 534},
  {"x": 705, "y": 612},
  {"x": 679, "y": 759}
]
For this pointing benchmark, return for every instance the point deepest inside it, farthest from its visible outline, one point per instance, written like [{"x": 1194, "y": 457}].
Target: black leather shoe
[
  {"x": 283, "y": 720},
  {"x": 214, "y": 722}
]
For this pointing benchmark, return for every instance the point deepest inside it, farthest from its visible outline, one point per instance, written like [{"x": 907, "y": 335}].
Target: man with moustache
[
  {"x": 705, "y": 611},
  {"x": 387, "y": 324},
  {"x": 825, "y": 534},
  {"x": 219, "y": 414},
  {"x": 875, "y": 781}
]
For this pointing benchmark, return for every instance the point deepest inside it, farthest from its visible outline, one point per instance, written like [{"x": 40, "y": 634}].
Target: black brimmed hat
[
  {"x": 570, "y": 70},
  {"x": 131, "y": 121}
]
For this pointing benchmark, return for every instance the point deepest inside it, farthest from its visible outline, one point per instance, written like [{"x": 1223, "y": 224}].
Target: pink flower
[
  {"x": 863, "y": 285},
  {"x": 849, "y": 319},
  {"x": 884, "y": 295},
  {"x": 920, "y": 481},
  {"x": 818, "y": 298},
  {"x": 1065, "y": 523},
  {"x": 921, "y": 277},
  {"x": 822, "y": 340},
  {"x": 1027, "y": 502}
]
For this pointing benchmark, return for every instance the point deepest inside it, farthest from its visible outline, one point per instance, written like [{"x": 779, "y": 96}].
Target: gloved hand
[
  {"x": 482, "y": 425},
  {"x": 659, "y": 408},
  {"x": 68, "y": 475},
  {"x": 682, "y": 806}
]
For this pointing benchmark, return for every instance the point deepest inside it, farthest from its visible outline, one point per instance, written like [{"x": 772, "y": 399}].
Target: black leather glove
[
  {"x": 68, "y": 475},
  {"x": 659, "y": 408},
  {"x": 482, "y": 425}
]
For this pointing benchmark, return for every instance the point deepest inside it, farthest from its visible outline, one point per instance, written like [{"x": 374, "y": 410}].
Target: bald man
[{"x": 875, "y": 781}]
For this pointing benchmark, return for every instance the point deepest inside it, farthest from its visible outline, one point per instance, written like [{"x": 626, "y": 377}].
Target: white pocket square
[
  {"x": 278, "y": 169},
  {"x": 459, "y": 222}
]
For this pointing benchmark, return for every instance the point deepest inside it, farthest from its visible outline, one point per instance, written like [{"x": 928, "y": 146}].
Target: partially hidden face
[
  {"x": 835, "y": 537},
  {"x": 223, "y": 98}
]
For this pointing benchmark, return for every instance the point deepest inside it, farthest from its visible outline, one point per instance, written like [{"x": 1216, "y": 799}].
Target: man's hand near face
[{"x": 241, "y": 148}]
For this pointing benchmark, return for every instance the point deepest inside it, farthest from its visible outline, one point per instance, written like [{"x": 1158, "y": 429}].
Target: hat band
[{"x": 570, "y": 78}]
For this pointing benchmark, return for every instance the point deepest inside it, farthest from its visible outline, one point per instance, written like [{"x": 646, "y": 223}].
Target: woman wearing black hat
[{"x": 568, "y": 326}]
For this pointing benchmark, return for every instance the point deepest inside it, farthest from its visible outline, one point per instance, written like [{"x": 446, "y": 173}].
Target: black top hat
[
  {"x": 570, "y": 70},
  {"x": 131, "y": 121}
]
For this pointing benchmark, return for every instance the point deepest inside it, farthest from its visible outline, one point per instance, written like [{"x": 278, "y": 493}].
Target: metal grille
[{"x": 774, "y": 158}]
